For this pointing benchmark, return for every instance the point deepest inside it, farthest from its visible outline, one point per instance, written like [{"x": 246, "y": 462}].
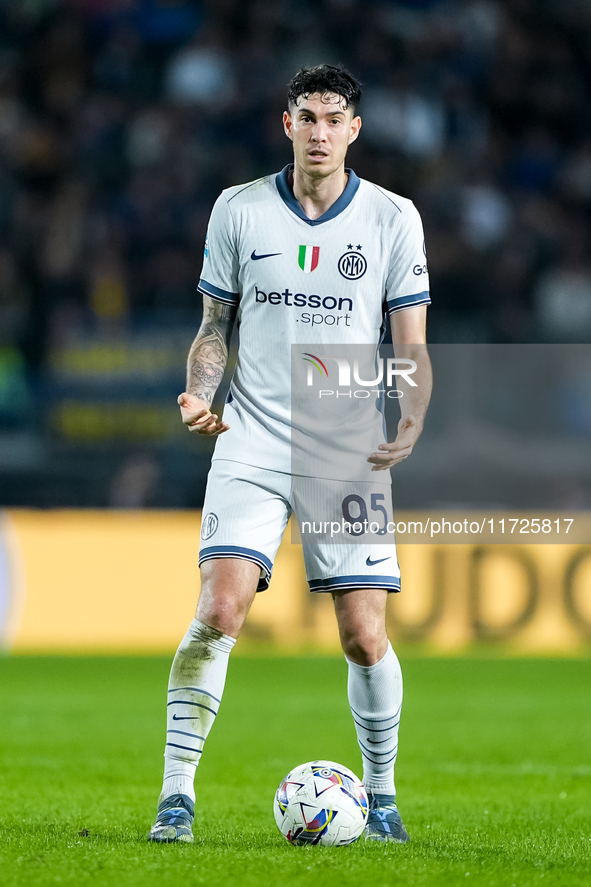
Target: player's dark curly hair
[{"x": 326, "y": 80}]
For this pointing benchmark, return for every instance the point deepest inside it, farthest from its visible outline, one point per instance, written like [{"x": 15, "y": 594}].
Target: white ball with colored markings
[{"x": 321, "y": 803}]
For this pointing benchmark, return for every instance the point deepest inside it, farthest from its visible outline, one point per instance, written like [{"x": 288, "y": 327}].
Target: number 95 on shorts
[{"x": 342, "y": 512}]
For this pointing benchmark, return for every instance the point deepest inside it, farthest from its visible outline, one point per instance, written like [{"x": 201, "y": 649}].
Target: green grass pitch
[{"x": 494, "y": 774}]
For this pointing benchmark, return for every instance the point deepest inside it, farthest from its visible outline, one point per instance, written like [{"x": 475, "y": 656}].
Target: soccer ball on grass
[{"x": 321, "y": 803}]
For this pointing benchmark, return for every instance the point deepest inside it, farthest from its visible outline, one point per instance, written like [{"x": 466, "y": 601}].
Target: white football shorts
[{"x": 247, "y": 508}]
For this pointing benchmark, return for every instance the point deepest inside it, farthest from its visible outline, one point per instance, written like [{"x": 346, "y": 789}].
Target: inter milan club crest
[
  {"x": 352, "y": 265},
  {"x": 308, "y": 258},
  {"x": 209, "y": 525}
]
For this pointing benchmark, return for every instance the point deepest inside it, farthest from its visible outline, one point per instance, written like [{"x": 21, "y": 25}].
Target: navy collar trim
[{"x": 287, "y": 195}]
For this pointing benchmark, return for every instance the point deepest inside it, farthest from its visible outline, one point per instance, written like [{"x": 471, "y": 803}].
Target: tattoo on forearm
[
  {"x": 209, "y": 352},
  {"x": 206, "y": 374}
]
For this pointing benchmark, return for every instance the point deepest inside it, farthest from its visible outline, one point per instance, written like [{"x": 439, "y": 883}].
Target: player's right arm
[
  {"x": 206, "y": 363},
  {"x": 209, "y": 352}
]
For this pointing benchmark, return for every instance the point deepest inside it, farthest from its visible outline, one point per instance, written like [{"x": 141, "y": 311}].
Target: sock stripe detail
[
  {"x": 378, "y": 720},
  {"x": 378, "y": 763},
  {"x": 370, "y": 751},
  {"x": 184, "y": 733},
  {"x": 195, "y": 751},
  {"x": 373, "y": 730},
  {"x": 196, "y": 690}
]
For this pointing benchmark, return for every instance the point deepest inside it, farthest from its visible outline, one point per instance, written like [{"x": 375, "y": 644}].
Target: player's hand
[
  {"x": 197, "y": 416},
  {"x": 391, "y": 453}
]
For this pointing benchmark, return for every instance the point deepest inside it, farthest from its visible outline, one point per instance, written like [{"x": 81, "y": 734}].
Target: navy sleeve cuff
[
  {"x": 398, "y": 302},
  {"x": 215, "y": 292}
]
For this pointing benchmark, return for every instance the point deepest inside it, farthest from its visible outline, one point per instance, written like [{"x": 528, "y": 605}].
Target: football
[{"x": 321, "y": 803}]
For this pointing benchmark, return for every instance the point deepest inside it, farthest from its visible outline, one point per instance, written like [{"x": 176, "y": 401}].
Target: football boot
[
  {"x": 383, "y": 820},
  {"x": 174, "y": 821}
]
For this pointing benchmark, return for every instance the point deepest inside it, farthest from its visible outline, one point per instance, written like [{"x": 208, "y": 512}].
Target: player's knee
[
  {"x": 364, "y": 644},
  {"x": 227, "y": 590},
  {"x": 224, "y": 612}
]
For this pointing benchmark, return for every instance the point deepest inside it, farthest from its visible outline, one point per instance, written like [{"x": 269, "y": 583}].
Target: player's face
[{"x": 321, "y": 129}]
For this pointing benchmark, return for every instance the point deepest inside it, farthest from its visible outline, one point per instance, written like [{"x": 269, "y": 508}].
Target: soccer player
[{"x": 276, "y": 251}]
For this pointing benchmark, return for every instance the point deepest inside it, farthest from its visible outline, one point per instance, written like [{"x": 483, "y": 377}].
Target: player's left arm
[{"x": 409, "y": 337}]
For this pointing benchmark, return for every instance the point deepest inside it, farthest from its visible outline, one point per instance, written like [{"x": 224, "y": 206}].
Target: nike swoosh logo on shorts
[
  {"x": 370, "y": 563},
  {"x": 255, "y": 258}
]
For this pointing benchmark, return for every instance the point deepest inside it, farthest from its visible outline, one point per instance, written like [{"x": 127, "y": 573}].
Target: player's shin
[
  {"x": 375, "y": 697},
  {"x": 195, "y": 688}
]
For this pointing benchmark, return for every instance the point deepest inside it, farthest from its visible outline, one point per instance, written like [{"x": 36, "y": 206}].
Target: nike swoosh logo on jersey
[
  {"x": 255, "y": 258},
  {"x": 371, "y": 563}
]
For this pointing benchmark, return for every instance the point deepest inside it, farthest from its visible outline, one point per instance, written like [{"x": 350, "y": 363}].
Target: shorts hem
[
  {"x": 214, "y": 552},
  {"x": 336, "y": 583}
]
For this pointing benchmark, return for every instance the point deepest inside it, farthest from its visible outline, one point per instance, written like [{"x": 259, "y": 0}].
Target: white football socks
[
  {"x": 195, "y": 688},
  {"x": 375, "y": 697}
]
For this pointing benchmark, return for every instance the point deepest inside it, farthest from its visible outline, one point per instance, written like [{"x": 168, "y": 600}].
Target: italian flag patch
[{"x": 308, "y": 258}]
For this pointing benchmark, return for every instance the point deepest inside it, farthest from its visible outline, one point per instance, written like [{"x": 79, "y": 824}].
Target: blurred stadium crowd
[{"x": 121, "y": 121}]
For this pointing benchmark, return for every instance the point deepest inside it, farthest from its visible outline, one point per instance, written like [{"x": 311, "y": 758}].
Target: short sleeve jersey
[{"x": 334, "y": 279}]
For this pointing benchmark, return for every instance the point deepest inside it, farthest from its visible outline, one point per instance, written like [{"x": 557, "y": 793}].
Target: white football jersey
[{"x": 331, "y": 280}]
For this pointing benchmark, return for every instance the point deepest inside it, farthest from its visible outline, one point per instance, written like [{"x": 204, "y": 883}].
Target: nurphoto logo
[{"x": 389, "y": 368}]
